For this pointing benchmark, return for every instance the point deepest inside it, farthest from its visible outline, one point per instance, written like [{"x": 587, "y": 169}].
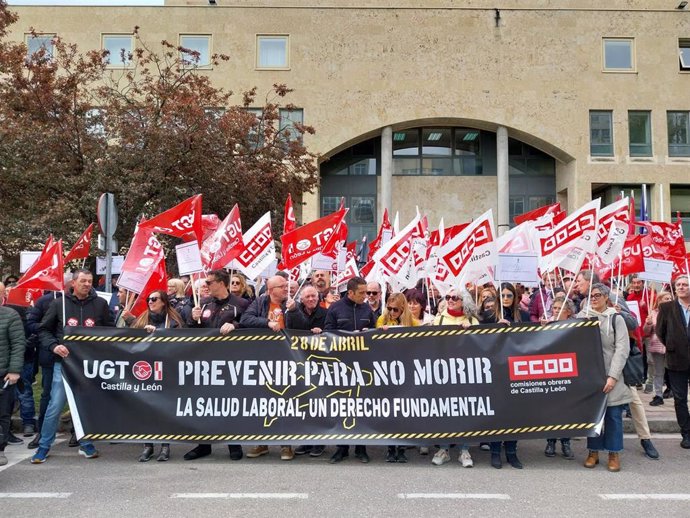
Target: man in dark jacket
[
  {"x": 12, "y": 345},
  {"x": 351, "y": 314},
  {"x": 83, "y": 308},
  {"x": 222, "y": 311},
  {"x": 307, "y": 315},
  {"x": 673, "y": 329}
]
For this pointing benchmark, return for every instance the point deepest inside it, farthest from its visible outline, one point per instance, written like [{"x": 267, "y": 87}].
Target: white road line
[
  {"x": 18, "y": 453},
  {"x": 35, "y": 495},
  {"x": 457, "y": 496},
  {"x": 645, "y": 496},
  {"x": 255, "y": 496}
]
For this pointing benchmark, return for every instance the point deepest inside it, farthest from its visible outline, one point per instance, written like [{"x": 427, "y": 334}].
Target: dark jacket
[
  {"x": 674, "y": 334},
  {"x": 299, "y": 319},
  {"x": 216, "y": 312},
  {"x": 345, "y": 315},
  {"x": 12, "y": 342},
  {"x": 256, "y": 315},
  {"x": 33, "y": 321},
  {"x": 93, "y": 311}
]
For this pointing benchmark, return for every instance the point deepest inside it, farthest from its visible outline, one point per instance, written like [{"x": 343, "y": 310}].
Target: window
[
  {"x": 684, "y": 53},
  {"x": 516, "y": 206},
  {"x": 288, "y": 118},
  {"x": 678, "y": 124},
  {"x": 272, "y": 52},
  {"x": 329, "y": 204},
  {"x": 601, "y": 133},
  {"x": 40, "y": 45},
  {"x": 119, "y": 47},
  {"x": 640, "y": 133},
  {"x": 363, "y": 209},
  {"x": 619, "y": 55},
  {"x": 199, "y": 47}
]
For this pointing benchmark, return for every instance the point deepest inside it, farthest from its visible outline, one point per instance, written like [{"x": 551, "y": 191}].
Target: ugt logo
[{"x": 142, "y": 370}]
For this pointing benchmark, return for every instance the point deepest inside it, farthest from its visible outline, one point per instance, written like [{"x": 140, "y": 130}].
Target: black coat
[
  {"x": 674, "y": 334},
  {"x": 216, "y": 312},
  {"x": 256, "y": 315},
  {"x": 299, "y": 319},
  {"x": 345, "y": 315}
]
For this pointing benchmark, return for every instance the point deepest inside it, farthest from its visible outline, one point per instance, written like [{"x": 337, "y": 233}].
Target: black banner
[{"x": 422, "y": 385}]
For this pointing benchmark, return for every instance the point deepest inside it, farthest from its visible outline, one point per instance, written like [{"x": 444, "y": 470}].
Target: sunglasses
[
  {"x": 372, "y": 292},
  {"x": 454, "y": 298},
  {"x": 235, "y": 283},
  {"x": 153, "y": 299},
  {"x": 507, "y": 295},
  {"x": 390, "y": 310}
]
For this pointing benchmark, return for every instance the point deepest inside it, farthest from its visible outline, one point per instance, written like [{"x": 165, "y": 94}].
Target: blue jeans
[
  {"x": 611, "y": 438},
  {"x": 27, "y": 408},
  {"x": 58, "y": 398}
]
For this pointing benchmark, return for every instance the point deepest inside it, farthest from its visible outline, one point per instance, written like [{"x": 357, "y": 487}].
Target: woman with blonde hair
[
  {"x": 396, "y": 313},
  {"x": 240, "y": 288}
]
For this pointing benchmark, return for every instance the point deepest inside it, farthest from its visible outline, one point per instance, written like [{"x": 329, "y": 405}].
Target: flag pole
[{"x": 618, "y": 277}]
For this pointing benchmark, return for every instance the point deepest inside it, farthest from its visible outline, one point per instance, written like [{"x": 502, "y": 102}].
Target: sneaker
[
  {"x": 391, "y": 455},
  {"x": 235, "y": 451},
  {"x": 648, "y": 389},
  {"x": 550, "y": 450},
  {"x": 3, "y": 458},
  {"x": 685, "y": 443},
  {"x": 40, "y": 456},
  {"x": 146, "y": 454},
  {"x": 13, "y": 439},
  {"x": 649, "y": 449},
  {"x": 400, "y": 456},
  {"x": 317, "y": 451},
  {"x": 164, "y": 455},
  {"x": 656, "y": 401},
  {"x": 29, "y": 430},
  {"x": 89, "y": 451},
  {"x": 424, "y": 450},
  {"x": 441, "y": 457},
  {"x": 465, "y": 459},
  {"x": 257, "y": 451},
  {"x": 302, "y": 450},
  {"x": 340, "y": 454},
  {"x": 286, "y": 453},
  {"x": 34, "y": 442}
]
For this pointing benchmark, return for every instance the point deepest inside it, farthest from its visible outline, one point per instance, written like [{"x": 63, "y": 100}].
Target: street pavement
[{"x": 117, "y": 485}]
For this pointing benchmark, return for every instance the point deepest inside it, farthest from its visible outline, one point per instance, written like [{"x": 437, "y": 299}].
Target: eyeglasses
[
  {"x": 153, "y": 299},
  {"x": 507, "y": 295},
  {"x": 372, "y": 292},
  {"x": 454, "y": 298},
  {"x": 596, "y": 295},
  {"x": 390, "y": 310},
  {"x": 235, "y": 283}
]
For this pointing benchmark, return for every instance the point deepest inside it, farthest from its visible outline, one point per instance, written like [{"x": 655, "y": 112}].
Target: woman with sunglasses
[
  {"x": 615, "y": 349},
  {"x": 511, "y": 314},
  {"x": 239, "y": 287},
  {"x": 396, "y": 314},
  {"x": 159, "y": 315},
  {"x": 459, "y": 311}
]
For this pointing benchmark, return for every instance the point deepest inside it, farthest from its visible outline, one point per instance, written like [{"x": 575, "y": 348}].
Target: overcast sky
[{"x": 85, "y": 2}]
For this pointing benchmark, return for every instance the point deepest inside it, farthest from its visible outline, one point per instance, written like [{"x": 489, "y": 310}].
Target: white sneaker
[
  {"x": 441, "y": 457},
  {"x": 424, "y": 450},
  {"x": 466, "y": 459}
]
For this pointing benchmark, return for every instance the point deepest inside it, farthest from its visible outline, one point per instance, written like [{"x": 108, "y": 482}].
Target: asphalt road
[{"x": 118, "y": 486}]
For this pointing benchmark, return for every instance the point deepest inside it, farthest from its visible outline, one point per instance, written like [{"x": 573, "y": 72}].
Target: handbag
[{"x": 633, "y": 372}]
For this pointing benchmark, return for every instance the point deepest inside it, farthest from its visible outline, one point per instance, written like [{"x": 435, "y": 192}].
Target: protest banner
[{"x": 407, "y": 385}]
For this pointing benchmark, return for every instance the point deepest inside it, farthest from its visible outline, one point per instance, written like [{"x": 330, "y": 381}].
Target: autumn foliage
[{"x": 153, "y": 134}]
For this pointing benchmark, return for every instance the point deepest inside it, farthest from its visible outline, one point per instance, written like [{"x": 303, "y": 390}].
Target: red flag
[
  {"x": 385, "y": 230},
  {"x": 618, "y": 211},
  {"x": 680, "y": 265},
  {"x": 337, "y": 240},
  {"x": 310, "y": 239},
  {"x": 22, "y": 297},
  {"x": 179, "y": 220},
  {"x": 633, "y": 260},
  {"x": 157, "y": 281},
  {"x": 351, "y": 251},
  {"x": 47, "y": 273},
  {"x": 448, "y": 234},
  {"x": 289, "y": 221},
  {"x": 82, "y": 247},
  {"x": 225, "y": 243},
  {"x": 537, "y": 213},
  {"x": 141, "y": 260},
  {"x": 48, "y": 244},
  {"x": 666, "y": 238}
]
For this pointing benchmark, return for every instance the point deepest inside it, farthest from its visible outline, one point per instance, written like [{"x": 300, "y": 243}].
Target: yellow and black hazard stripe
[
  {"x": 133, "y": 339},
  {"x": 477, "y": 330},
  {"x": 340, "y": 437}
]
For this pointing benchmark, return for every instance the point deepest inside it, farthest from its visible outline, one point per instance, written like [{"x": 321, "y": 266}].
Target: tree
[{"x": 153, "y": 133}]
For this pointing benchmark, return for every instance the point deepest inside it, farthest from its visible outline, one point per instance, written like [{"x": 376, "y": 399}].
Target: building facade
[{"x": 454, "y": 107}]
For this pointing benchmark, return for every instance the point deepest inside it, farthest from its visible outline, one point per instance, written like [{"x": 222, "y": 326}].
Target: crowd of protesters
[{"x": 228, "y": 301}]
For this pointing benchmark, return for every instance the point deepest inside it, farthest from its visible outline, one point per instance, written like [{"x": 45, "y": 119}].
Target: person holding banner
[
  {"x": 615, "y": 349},
  {"x": 673, "y": 328},
  {"x": 351, "y": 313},
  {"x": 511, "y": 314},
  {"x": 82, "y": 307},
  {"x": 222, "y": 311},
  {"x": 159, "y": 315},
  {"x": 459, "y": 311}
]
